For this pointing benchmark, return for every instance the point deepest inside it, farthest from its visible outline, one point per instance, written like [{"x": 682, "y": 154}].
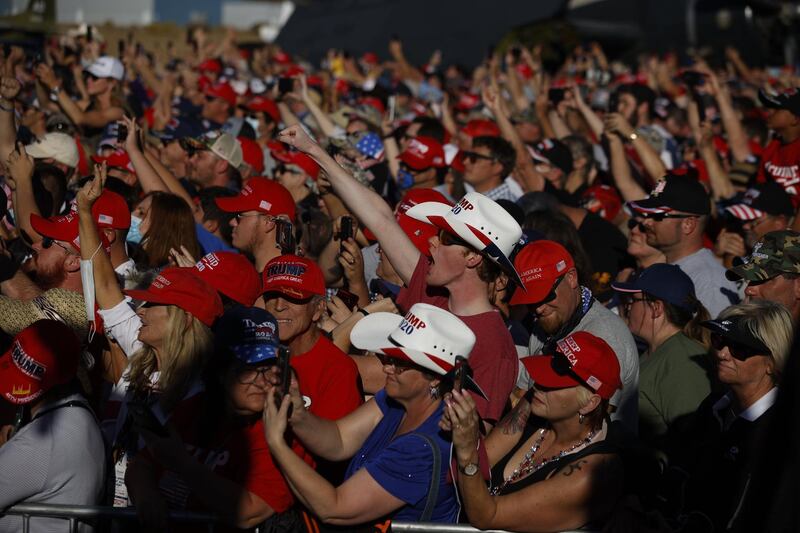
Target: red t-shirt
[
  {"x": 781, "y": 162},
  {"x": 493, "y": 359},
  {"x": 237, "y": 453}
]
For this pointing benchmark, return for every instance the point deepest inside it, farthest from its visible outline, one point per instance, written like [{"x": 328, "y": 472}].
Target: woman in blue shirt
[{"x": 399, "y": 456}]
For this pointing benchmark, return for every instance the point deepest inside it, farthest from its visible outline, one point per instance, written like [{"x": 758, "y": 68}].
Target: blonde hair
[
  {"x": 770, "y": 323},
  {"x": 186, "y": 348},
  {"x": 596, "y": 417}
]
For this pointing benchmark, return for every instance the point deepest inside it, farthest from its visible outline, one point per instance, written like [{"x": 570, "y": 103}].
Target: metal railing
[{"x": 88, "y": 514}]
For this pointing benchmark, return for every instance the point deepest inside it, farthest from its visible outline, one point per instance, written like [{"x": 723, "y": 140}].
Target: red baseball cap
[
  {"x": 602, "y": 200},
  {"x": 109, "y": 211},
  {"x": 419, "y": 232},
  {"x": 232, "y": 275},
  {"x": 183, "y": 288},
  {"x": 294, "y": 276},
  {"x": 252, "y": 154},
  {"x": 118, "y": 159},
  {"x": 540, "y": 264},
  {"x": 282, "y": 58},
  {"x": 224, "y": 91},
  {"x": 210, "y": 65},
  {"x": 581, "y": 359},
  {"x": 268, "y": 106},
  {"x": 468, "y": 101},
  {"x": 43, "y": 355},
  {"x": 260, "y": 194},
  {"x": 300, "y": 159},
  {"x": 481, "y": 128},
  {"x": 423, "y": 153}
]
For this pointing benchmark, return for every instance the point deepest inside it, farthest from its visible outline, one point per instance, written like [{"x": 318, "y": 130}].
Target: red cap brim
[{"x": 540, "y": 369}]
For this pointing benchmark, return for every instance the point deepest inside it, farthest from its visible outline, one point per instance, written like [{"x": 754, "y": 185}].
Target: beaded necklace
[{"x": 528, "y": 466}]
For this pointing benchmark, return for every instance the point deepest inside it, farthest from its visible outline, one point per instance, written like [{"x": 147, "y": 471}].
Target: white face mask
[{"x": 87, "y": 281}]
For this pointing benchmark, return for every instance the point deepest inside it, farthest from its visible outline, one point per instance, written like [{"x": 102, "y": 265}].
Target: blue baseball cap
[
  {"x": 250, "y": 333},
  {"x": 665, "y": 282},
  {"x": 178, "y": 129}
]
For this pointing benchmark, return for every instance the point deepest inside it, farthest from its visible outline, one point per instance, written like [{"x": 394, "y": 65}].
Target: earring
[
  {"x": 581, "y": 418},
  {"x": 434, "y": 392}
]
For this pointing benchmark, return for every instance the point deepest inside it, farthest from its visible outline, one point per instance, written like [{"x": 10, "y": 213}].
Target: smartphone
[
  {"x": 349, "y": 299},
  {"x": 556, "y": 95},
  {"x": 89, "y": 33},
  {"x": 121, "y": 48},
  {"x": 285, "y": 376},
  {"x": 122, "y": 133},
  {"x": 345, "y": 231},
  {"x": 144, "y": 418},
  {"x": 285, "y": 85},
  {"x": 285, "y": 236},
  {"x": 462, "y": 368}
]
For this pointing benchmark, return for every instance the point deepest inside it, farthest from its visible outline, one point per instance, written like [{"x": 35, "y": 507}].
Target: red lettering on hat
[{"x": 462, "y": 204}]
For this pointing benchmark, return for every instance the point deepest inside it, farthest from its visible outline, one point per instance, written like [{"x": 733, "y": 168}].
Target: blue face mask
[
  {"x": 133, "y": 233},
  {"x": 405, "y": 179}
]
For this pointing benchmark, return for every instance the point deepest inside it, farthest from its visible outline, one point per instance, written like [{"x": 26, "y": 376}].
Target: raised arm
[
  {"x": 721, "y": 186},
  {"x": 360, "y": 499},
  {"x": 616, "y": 123},
  {"x": 9, "y": 89},
  {"x": 595, "y": 123},
  {"x": 363, "y": 202},
  {"x": 93, "y": 119},
  {"x": 621, "y": 170},
  {"x": 736, "y": 136},
  {"x": 107, "y": 289},
  {"x": 326, "y": 125},
  {"x": 20, "y": 179}
]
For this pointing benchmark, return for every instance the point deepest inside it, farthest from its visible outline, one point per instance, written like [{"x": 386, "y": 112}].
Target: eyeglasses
[
  {"x": 240, "y": 216},
  {"x": 448, "y": 239},
  {"x": 738, "y": 351},
  {"x": 47, "y": 242},
  {"x": 248, "y": 375},
  {"x": 280, "y": 169},
  {"x": 636, "y": 223},
  {"x": 474, "y": 156},
  {"x": 399, "y": 365},
  {"x": 90, "y": 76},
  {"x": 658, "y": 217},
  {"x": 628, "y": 302},
  {"x": 550, "y": 295}
]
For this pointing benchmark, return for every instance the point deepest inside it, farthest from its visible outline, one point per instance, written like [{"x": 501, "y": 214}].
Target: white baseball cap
[
  {"x": 107, "y": 67},
  {"x": 226, "y": 147},
  {"x": 58, "y": 146},
  {"x": 427, "y": 336},
  {"x": 480, "y": 222}
]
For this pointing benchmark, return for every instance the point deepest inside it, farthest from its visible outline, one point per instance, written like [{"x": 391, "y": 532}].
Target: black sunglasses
[
  {"x": 658, "y": 217},
  {"x": 636, "y": 223},
  {"x": 738, "y": 351},
  {"x": 448, "y": 239},
  {"x": 474, "y": 156},
  {"x": 90, "y": 76},
  {"x": 400, "y": 365},
  {"x": 552, "y": 294}
]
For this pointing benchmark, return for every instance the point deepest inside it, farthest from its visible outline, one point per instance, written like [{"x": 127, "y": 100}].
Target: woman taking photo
[
  {"x": 166, "y": 342},
  {"x": 751, "y": 342},
  {"x": 230, "y": 471},
  {"x": 558, "y": 469},
  {"x": 104, "y": 80},
  {"x": 661, "y": 308},
  {"x": 398, "y": 469}
]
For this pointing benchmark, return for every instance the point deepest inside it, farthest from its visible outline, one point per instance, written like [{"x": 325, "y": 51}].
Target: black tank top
[{"x": 608, "y": 445}]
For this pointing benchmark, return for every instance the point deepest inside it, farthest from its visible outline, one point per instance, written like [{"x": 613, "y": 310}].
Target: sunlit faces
[
  {"x": 155, "y": 319},
  {"x": 553, "y": 314},
  {"x": 555, "y": 404},
  {"x": 732, "y": 371},
  {"x": 246, "y": 386},
  {"x": 295, "y": 316},
  {"x": 778, "y": 289}
]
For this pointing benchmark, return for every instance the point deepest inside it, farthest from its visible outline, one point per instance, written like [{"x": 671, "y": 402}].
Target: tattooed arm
[{"x": 508, "y": 431}]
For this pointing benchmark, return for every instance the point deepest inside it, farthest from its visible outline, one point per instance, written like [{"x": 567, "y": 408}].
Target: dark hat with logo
[
  {"x": 777, "y": 252},
  {"x": 674, "y": 192}
]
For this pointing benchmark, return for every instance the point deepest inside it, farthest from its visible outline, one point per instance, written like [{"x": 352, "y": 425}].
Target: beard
[
  {"x": 550, "y": 324},
  {"x": 50, "y": 278}
]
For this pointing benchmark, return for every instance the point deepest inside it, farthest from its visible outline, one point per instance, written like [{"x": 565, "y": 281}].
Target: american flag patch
[
  {"x": 105, "y": 219},
  {"x": 593, "y": 382}
]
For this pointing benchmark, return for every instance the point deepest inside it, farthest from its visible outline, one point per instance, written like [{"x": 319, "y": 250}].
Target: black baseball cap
[
  {"x": 554, "y": 152},
  {"x": 788, "y": 99},
  {"x": 675, "y": 192},
  {"x": 735, "y": 329},
  {"x": 769, "y": 198}
]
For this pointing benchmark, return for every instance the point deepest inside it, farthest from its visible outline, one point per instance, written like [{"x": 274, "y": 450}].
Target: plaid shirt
[{"x": 501, "y": 192}]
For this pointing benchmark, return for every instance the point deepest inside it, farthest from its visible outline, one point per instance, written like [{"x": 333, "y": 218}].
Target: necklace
[{"x": 529, "y": 466}]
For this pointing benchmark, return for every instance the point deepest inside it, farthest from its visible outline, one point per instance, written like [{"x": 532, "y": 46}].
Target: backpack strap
[{"x": 433, "y": 493}]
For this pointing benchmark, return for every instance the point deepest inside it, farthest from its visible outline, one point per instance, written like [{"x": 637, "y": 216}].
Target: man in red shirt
[
  {"x": 294, "y": 291},
  {"x": 476, "y": 236},
  {"x": 780, "y": 161}
]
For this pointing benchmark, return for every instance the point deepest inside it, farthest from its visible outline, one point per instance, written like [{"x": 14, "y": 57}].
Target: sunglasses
[
  {"x": 550, "y": 295},
  {"x": 47, "y": 242},
  {"x": 280, "y": 169},
  {"x": 474, "y": 156},
  {"x": 89, "y": 76},
  {"x": 658, "y": 217},
  {"x": 738, "y": 351},
  {"x": 448, "y": 239},
  {"x": 248, "y": 375},
  {"x": 399, "y": 365},
  {"x": 636, "y": 223}
]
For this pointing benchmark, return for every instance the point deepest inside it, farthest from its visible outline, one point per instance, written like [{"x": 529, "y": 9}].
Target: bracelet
[
  {"x": 362, "y": 311},
  {"x": 7, "y": 109}
]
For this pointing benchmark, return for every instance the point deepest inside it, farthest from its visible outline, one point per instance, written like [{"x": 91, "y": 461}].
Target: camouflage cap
[{"x": 776, "y": 253}]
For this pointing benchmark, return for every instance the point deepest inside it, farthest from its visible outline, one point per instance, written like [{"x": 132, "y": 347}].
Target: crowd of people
[{"x": 525, "y": 296}]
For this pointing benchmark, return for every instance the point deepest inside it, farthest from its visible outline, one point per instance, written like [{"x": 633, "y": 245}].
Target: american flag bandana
[{"x": 371, "y": 146}]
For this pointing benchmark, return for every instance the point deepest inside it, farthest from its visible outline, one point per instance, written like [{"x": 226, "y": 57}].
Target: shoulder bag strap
[{"x": 433, "y": 493}]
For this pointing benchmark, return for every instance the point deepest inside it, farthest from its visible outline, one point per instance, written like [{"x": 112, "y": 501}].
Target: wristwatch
[
  {"x": 470, "y": 470},
  {"x": 633, "y": 136}
]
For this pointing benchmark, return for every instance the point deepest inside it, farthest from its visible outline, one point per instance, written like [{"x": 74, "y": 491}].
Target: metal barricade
[
  {"x": 418, "y": 527},
  {"x": 75, "y": 514}
]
